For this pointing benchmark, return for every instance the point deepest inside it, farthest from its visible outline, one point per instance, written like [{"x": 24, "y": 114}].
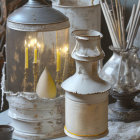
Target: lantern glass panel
[{"x": 29, "y": 53}]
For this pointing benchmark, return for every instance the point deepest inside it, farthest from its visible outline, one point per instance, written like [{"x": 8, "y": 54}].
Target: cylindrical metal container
[
  {"x": 86, "y": 116},
  {"x": 34, "y": 118},
  {"x": 82, "y": 14},
  {"x": 86, "y": 100}
]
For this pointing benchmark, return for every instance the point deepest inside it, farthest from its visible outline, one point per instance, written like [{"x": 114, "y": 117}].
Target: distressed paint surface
[
  {"x": 89, "y": 119},
  {"x": 36, "y": 118}
]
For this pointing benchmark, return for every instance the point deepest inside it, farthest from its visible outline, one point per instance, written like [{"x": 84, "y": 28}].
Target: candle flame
[
  {"x": 65, "y": 49},
  {"x": 38, "y": 45},
  {"x": 35, "y": 40},
  {"x": 29, "y": 45},
  {"x": 32, "y": 42},
  {"x": 58, "y": 49}
]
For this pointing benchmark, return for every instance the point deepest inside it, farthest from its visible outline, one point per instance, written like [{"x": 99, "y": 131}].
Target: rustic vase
[
  {"x": 122, "y": 71},
  {"x": 34, "y": 118},
  {"x": 86, "y": 96}
]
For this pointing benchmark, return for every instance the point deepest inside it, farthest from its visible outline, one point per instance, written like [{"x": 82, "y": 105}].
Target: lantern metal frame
[{"x": 37, "y": 16}]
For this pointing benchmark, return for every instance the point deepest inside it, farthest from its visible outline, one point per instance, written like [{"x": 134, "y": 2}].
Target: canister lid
[
  {"x": 36, "y": 15},
  {"x": 81, "y": 84}
]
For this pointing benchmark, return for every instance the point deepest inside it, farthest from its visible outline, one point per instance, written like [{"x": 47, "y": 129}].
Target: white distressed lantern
[
  {"x": 86, "y": 99},
  {"x": 37, "y": 60}
]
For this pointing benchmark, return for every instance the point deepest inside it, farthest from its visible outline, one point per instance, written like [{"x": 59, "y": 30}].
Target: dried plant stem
[
  {"x": 118, "y": 19},
  {"x": 123, "y": 32},
  {"x": 122, "y": 28},
  {"x": 132, "y": 15},
  {"x": 134, "y": 27},
  {"x": 114, "y": 15},
  {"x": 129, "y": 26},
  {"x": 116, "y": 26},
  {"x": 110, "y": 16},
  {"x": 110, "y": 26}
]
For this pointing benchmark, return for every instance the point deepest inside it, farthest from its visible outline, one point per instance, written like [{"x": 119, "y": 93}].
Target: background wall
[{"x": 106, "y": 41}]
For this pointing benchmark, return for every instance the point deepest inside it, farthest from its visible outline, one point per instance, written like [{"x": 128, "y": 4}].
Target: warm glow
[
  {"x": 65, "y": 49},
  {"x": 32, "y": 42},
  {"x": 35, "y": 41},
  {"x": 29, "y": 45},
  {"x": 58, "y": 49},
  {"x": 25, "y": 43},
  {"x": 38, "y": 45}
]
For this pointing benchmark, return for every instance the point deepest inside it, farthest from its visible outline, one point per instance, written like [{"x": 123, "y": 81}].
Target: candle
[
  {"x": 58, "y": 55},
  {"x": 26, "y": 56},
  {"x": 35, "y": 55}
]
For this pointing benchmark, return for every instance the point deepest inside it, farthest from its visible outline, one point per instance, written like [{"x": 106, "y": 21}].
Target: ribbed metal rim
[
  {"x": 73, "y": 6},
  {"x": 38, "y": 28},
  {"x": 35, "y": 16}
]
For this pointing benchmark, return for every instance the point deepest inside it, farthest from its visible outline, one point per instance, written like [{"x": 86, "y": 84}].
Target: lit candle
[
  {"x": 35, "y": 51},
  {"x": 58, "y": 55},
  {"x": 35, "y": 55},
  {"x": 26, "y": 56}
]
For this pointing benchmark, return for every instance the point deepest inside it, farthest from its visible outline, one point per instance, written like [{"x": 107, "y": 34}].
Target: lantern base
[
  {"x": 34, "y": 118},
  {"x": 83, "y": 138},
  {"x": 126, "y": 115},
  {"x": 28, "y": 136}
]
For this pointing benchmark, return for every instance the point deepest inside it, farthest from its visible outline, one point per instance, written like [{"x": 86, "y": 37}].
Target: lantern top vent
[{"x": 37, "y": 15}]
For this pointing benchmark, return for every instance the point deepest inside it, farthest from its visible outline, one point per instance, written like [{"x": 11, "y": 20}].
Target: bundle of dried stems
[{"x": 121, "y": 38}]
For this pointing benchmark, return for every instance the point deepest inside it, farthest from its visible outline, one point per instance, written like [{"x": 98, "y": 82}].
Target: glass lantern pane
[{"x": 29, "y": 53}]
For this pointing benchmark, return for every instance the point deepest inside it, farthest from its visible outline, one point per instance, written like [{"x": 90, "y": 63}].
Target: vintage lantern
[
  {"x": 37, "y": 56},
  {"x": 86, "y": 99}
]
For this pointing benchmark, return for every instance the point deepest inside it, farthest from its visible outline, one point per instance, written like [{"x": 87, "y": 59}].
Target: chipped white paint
[
  {"x": 86, "y": 103},
  {"x": 34, "y": 118}
]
